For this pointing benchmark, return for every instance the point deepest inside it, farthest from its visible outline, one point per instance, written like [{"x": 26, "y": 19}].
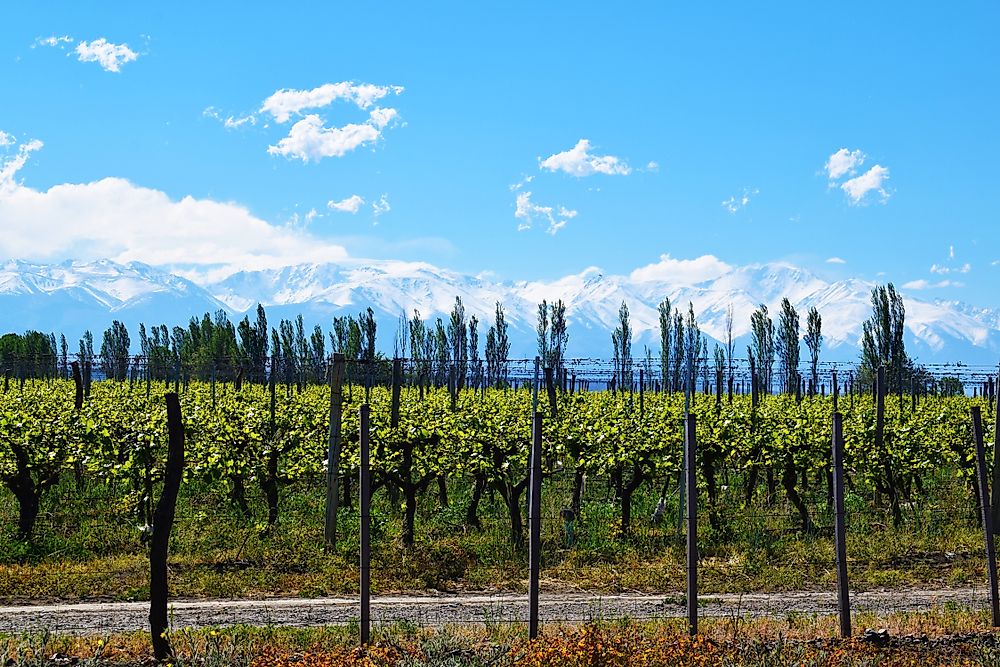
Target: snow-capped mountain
[{"x": 74, "y": 296}]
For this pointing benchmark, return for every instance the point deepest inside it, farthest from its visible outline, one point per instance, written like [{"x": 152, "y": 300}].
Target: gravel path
[{"x": 106, "y": 617}]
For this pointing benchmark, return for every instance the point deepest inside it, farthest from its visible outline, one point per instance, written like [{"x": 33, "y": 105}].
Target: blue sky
[{"x": 648, "y": 129}]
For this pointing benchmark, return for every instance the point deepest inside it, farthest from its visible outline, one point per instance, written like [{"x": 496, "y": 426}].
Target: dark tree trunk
[
  {"x": 578, "y": 479},
  {"x": 788, "y": 479},
  {"x": 472, "y": 512}
]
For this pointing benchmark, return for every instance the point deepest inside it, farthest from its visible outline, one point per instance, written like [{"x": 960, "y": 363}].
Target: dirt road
[{"x": 104, "y": 617}]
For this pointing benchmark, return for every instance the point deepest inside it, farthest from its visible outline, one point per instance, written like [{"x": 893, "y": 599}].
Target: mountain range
[{"x": 70, "y": 297}]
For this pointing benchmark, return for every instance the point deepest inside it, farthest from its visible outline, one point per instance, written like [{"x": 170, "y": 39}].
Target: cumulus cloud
[
  {"x": 925, "y": 284},
  {"x": 870, "y": 181},
  {"x": 526, "y": 211},
  {"x": 108, "y": 55},
  {"x": 578, "y": 161},
  {"x": 350, "y": 205},
  {"x": 843, "y": 162},
  {"x": 652, "y": 166},
  {"x": 309, "y": 140},
  {"x": 287, "y": 102},
  {"x": 736, "y": 202},
  {"x": 682, "y": 271},
  {"x": 115, "y": 219},
  {"x": 836, "y": 260},
  {"x": 7, "y": 139}
]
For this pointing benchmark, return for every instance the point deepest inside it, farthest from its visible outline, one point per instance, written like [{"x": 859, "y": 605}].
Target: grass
[
  {"x": 938, "y": 637},
  {"x": 88, "y": 546}
]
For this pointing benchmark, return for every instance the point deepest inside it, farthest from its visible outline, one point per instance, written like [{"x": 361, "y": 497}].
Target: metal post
[
  {"x": 534, "y": 387},
  {"x": 365, "y": 503},
  {"x": 690, "y": 448},
  {"x": 333, "y": 452},
  {"x": 839, "y": 526},
  {"x": 535, "y": 524},
  {"x": 836, "y": 391},
  {"x": 984, "y": 494}
]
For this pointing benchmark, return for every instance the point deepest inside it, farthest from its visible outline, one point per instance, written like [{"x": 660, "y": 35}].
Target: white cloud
[
  {"x": 836, "y": 260},
  {"x": 942, "y": 270},
  {"x": 872, "y": 180},
  {"x": 53, "y": 41},
  {"x": 924, "y": 284},
  {"x": 350, "y": 205},
  {"x": 10, "y": 166},
  {"x": 843, "y": 162},
  {"x": 578, "y": 161},
  {"x": 230, "y": 122},
  {"x": 283, "y": 103},
  {"x": 652, "y": 166},
  {"x": 114, "y": 219},
  {"x": 7, "y": 139},
  {"x": 735, "y": 203},
  {"x": 526, "y": 211},
  {"x": 309, "y": 140},
  {"x": 951, "y": 252},
  {"x": 682, "y": 271},
  {"x": 106, "y": 54},
  {"x": 380, "y": 207}
]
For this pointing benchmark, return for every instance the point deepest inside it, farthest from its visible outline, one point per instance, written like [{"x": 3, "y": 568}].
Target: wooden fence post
[
  {"x": 984, "y": 494},
  {"x": 365, "y": 507},
  {"x": 333, "y": 451},
  {"x": 995, "y": 505},
  {"x": 690, "y": 447},
  {"x": 163, "y": 519},
  {"x": 839, "y": 526},
  {"x": 78, "y": 381},
  {"x": 534, "y": 524}
]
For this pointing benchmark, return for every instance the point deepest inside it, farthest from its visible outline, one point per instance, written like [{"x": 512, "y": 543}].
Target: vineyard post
[
  {"x": 163, "y": 519},
  {"x": 78, "y": 381},
  {"x": 984, "y": 494},
  {"x": 534, "y": 386},
  {"x": 535, "y": 524},
  {"x": 995, "y": 505},
  {"x": 333, "y": 451},
  {"x": 690, "y": 447},
  {"x": 836, "y": 391},
  {"x": 839, "y": 526},
  {"x": 397, "y": 381},
  {"x": 642, "y": 387},
  {"x": 365, "y": 507}
]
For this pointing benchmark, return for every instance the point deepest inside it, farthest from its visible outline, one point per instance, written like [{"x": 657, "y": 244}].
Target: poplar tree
[
  {"x": 787, "y": 345},
  {"x": 666, "y": 328},
  {"x": 762, "y": 346},
  {"x": 882, "y": 336},
  {"x": 814, "y": 341}
]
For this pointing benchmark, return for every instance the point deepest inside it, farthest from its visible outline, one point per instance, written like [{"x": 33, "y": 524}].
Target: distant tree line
[{"x": 446, "y": 352}]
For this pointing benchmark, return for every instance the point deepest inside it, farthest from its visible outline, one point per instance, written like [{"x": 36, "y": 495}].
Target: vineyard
[{"x": 449, "y": 474}]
